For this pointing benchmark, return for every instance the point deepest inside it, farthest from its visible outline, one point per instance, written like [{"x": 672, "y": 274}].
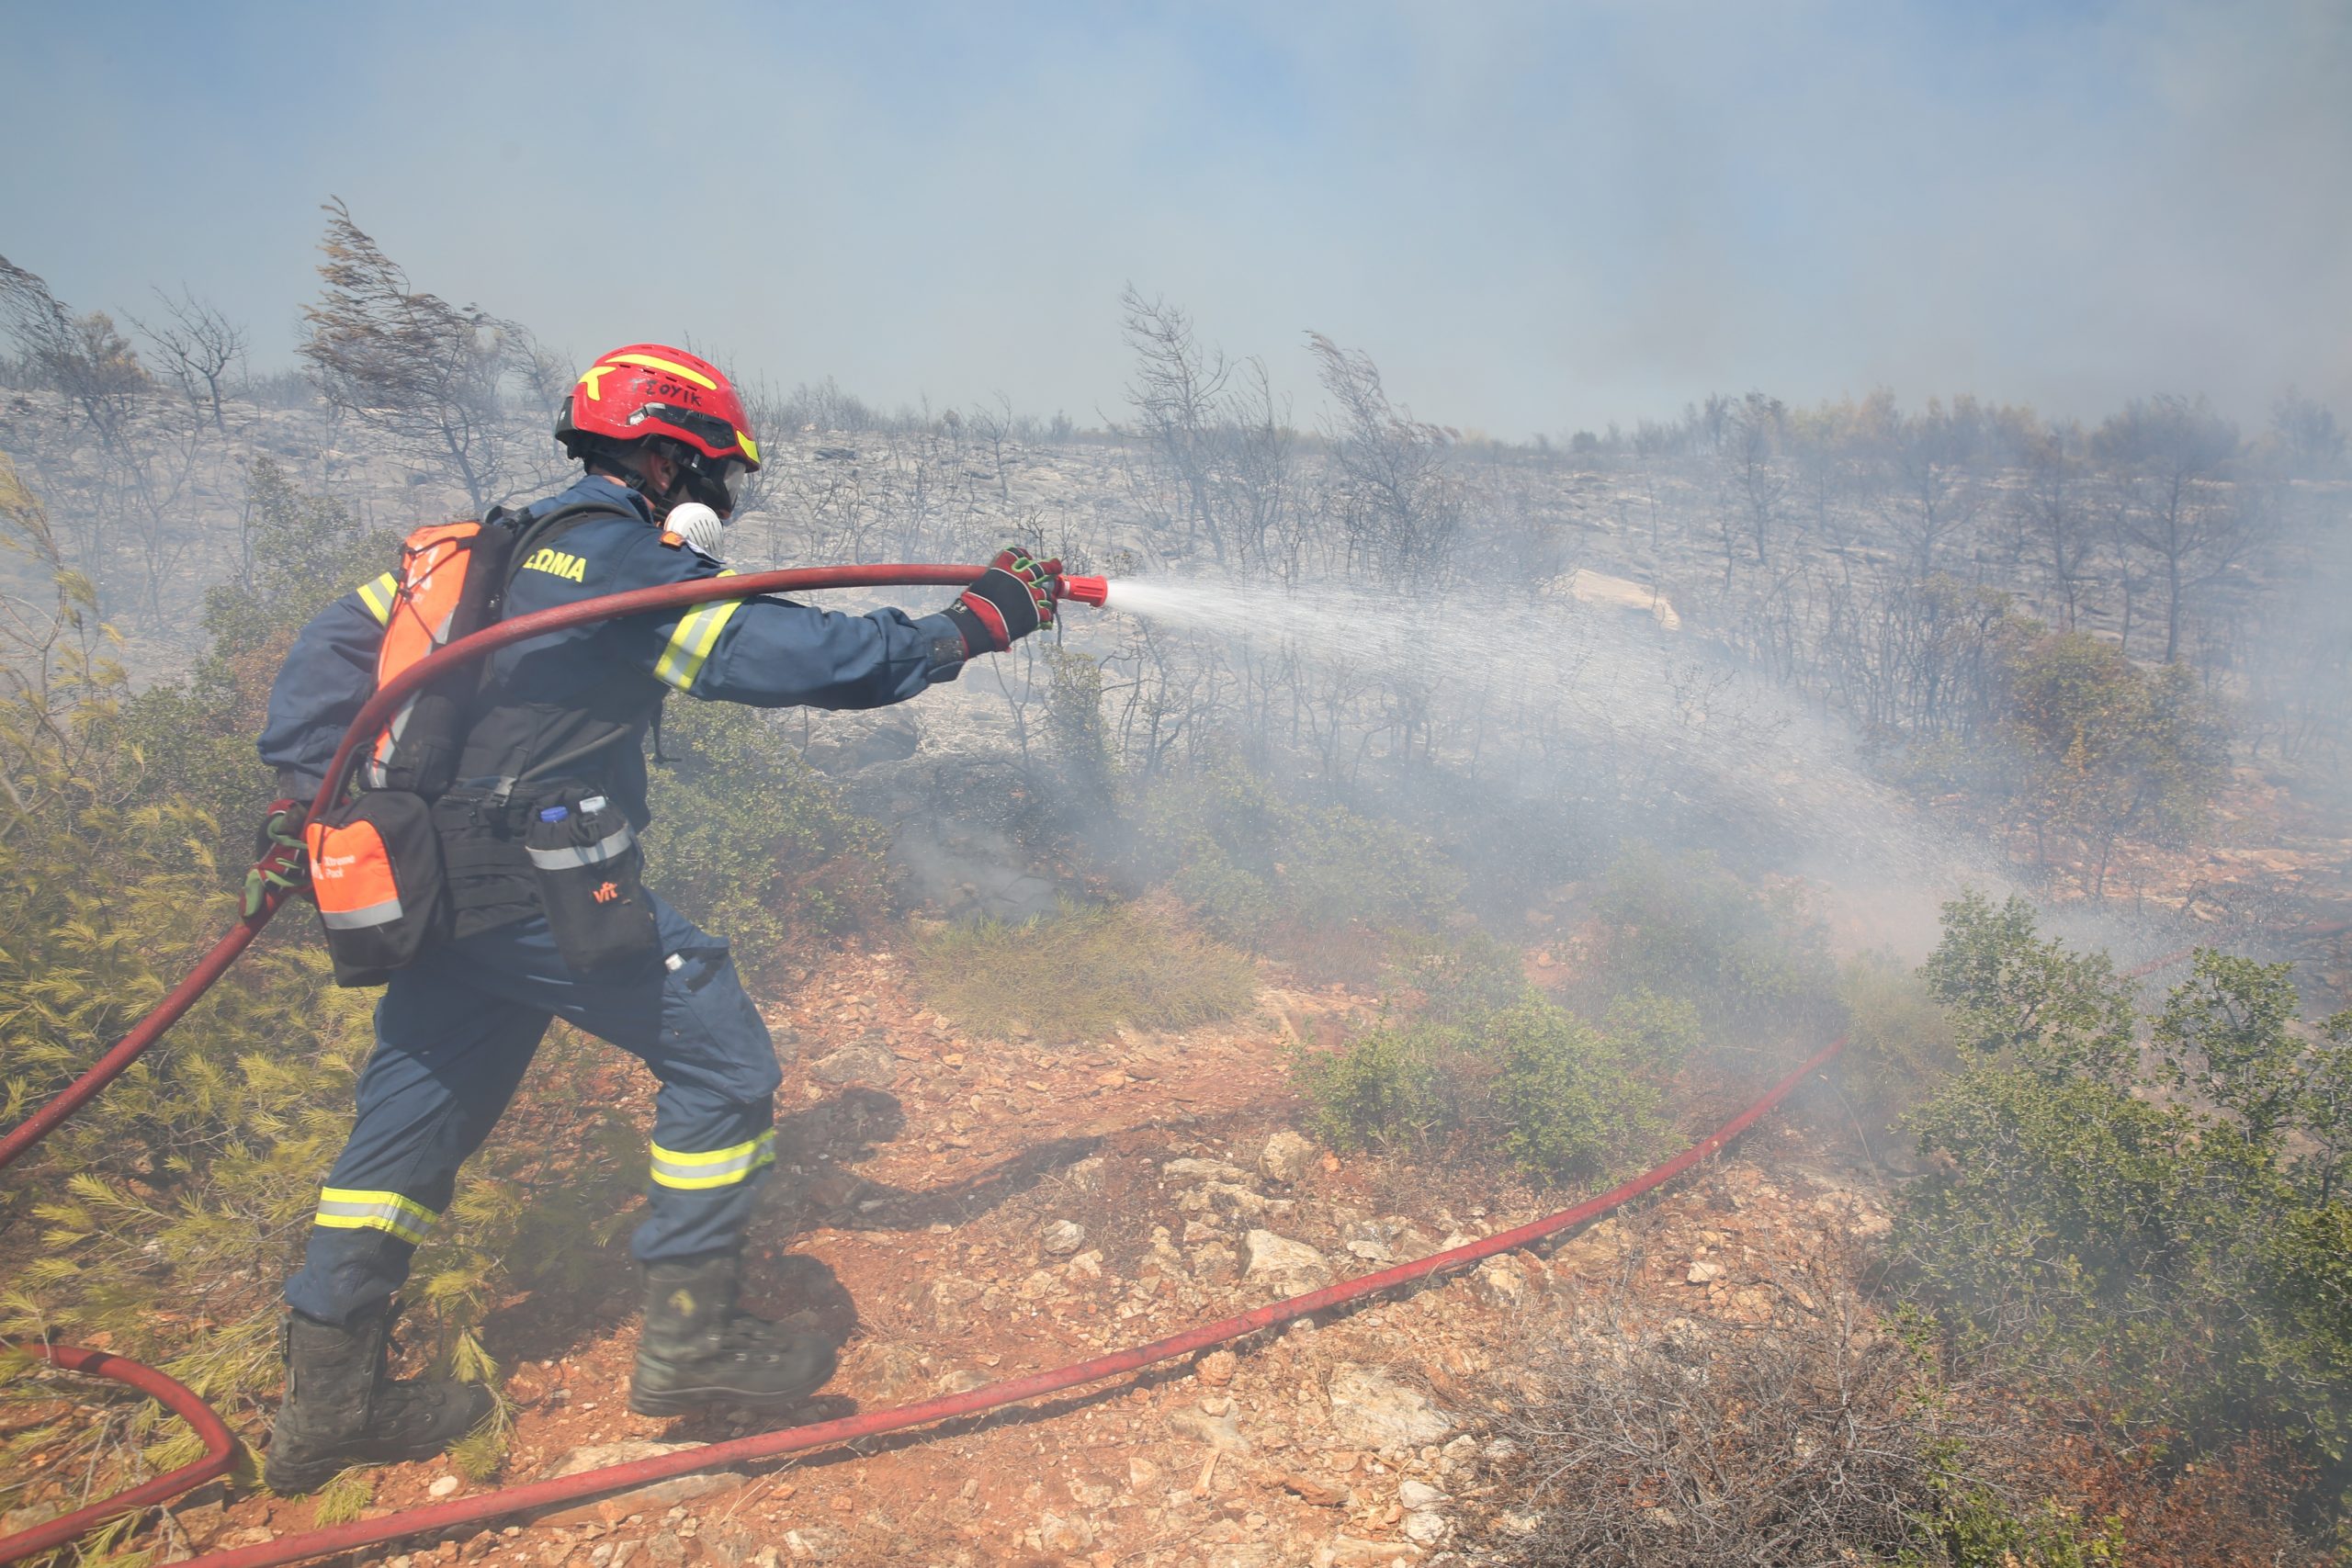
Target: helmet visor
[{"x": 718, "y": 482}]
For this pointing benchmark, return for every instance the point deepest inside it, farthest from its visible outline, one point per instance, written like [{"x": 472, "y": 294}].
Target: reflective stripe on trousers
[
  {"x": 347, "y": 1209},
  {"x": 718, "y": 1167}
]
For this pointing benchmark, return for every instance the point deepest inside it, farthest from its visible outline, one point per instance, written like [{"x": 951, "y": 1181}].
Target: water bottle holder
[{"x": 591, "y": 877}]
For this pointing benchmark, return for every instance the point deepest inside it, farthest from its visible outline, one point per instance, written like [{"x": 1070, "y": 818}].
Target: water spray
[{"x": 220, "y": 1449}]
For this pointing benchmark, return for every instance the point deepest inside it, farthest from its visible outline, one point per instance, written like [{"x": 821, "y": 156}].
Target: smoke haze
[{"x": 1534, "y": 218}]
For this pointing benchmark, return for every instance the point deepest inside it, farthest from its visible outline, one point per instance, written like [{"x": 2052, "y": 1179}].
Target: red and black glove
[
  {"x": 1012, "y": 598},
  {"x": 279, "y": 859}
]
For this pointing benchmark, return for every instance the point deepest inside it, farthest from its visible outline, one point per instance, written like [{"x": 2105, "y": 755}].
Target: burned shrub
[
  {"x": 1683, "y": 926},
  {"x": 1263, "y": 870},
  {"x": 1815, "y": 1437}
]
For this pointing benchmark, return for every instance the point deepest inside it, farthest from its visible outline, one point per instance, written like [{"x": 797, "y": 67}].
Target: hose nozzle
[{"x": 1094, "y": 591}]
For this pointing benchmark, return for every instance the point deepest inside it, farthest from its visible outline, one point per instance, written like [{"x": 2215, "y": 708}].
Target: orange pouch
[{"x": 376, "y": 871}]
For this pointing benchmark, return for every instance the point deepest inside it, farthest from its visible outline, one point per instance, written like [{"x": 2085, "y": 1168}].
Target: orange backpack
[
  {"x": 452, "y": 577},
  {"x": 376, "y": 863},
  {"x": 376, "y": 859}
]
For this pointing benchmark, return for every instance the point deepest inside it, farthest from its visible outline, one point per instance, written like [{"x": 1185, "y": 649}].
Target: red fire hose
[
  {"x": 438, "y": 1517},
  {"x": 372, "y": 717},
  {"x": 220, "y": 1447}
]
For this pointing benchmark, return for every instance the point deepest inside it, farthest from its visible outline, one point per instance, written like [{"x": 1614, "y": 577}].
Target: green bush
[
  {"x": 1528, "y": 1079},
  {"x": 1395, "y": 1084},
  {"x": 1080, "y": 974},
  {"x": 1975, "y": 1528},
  {"x": 2103, "y": 748},
  {"x": 753, "y": 843},
  {"x": 1453, "y": 976},
  {"x": 170, "y": 1209},
  {"x": 1658, "y": 1032},
  {"x": 1258, "y": 867},
  {"x": 195, "y": 738},
  {"x": 1568, "y": 1103},
  {"x": 2014, "y": 1000},
  {"x": 1899, "y": 1043},
  {"x": 1684, "y": 927},
  {"x": 2180, "y": 1256}
]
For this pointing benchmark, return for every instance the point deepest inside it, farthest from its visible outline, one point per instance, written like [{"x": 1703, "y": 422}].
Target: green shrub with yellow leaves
[{"x": 162, "y": 1219}]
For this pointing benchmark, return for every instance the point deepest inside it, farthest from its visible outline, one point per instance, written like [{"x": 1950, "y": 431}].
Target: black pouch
[
  {"x": 590, "y": 869},
  {"x": 375, "y": 872}
]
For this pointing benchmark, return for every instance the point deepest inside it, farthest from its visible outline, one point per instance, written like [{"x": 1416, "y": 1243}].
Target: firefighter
[{"x": 654, "y": 428}]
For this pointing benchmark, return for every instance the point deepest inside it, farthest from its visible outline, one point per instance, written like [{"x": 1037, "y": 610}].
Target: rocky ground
[{"x": 962, "y": 1211}]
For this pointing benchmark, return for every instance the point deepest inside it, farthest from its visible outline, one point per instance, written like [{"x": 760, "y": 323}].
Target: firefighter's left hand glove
[
  {"x": 1012, "y": 598},
  {"x": 279, "y": 860}
]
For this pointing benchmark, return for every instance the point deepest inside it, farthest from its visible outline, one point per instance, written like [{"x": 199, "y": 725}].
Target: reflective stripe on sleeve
[
  {"x": 569, "y": 856},
  {"x": 377, "y": 597},
  {"x": 344, "y": 1209},
  {"x": 691, "y": 644},
  {"x": 720, "y": 1167}
]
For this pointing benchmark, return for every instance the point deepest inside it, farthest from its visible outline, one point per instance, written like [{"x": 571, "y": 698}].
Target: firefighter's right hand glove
[
  {"x": 1012, "y": 598},
  {"x": 279, "y": 859}
]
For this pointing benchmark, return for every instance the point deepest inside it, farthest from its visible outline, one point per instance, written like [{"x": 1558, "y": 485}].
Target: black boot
[
  {"x": 697, "y": 1349},
  {"x": 341, "y": 1409}
]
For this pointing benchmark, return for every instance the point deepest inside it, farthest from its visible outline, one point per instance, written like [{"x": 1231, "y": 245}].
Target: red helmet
[{"x": 650, "y": 391}]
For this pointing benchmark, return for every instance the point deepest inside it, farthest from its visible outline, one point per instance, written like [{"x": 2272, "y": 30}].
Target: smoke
[
  {"x": 1646, "y": 732},
  {"x": 1536, "y": 217}
]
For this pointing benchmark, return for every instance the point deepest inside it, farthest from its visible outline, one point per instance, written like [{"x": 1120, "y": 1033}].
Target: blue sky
[{"x": 1534, "y": 217}]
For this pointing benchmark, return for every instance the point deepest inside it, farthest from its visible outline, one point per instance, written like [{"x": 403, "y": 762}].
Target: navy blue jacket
[{"x": 766, "y": 652}]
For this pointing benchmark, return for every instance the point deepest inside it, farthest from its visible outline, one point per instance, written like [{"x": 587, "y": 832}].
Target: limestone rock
[
  {"x": 1203, "y": 1170},
  {"x": 645, "y": 1500},
  {"x": 1062, "y": 1237},
  {"x": 1501, "y": 1281},
  {"x": 863, "y": 1064},
  {"x": 815, "y": 1543},
  {"x": 1056, "y": 1534},
  {"x": 1221, "y": 1431},
  {"x": 1426, "y": 1527},
  {"x": 1213, "y": 1263},
  {"x": 1234, "y": 1196},
  {"x": 1286, "y": 1158},
  {"x": 1291, "y": 1267},
  {"x": 1372, "y": 1410}
]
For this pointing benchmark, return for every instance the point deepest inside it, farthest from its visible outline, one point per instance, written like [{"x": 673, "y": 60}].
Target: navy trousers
[{"x": 454, "y": 1034}]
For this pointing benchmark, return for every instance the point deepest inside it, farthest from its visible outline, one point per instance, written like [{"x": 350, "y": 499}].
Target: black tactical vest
[{"x": 518, "y": 754}]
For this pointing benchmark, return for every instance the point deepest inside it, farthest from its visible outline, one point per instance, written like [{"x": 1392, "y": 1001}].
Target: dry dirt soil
[{"x": 961, "y": 1210}]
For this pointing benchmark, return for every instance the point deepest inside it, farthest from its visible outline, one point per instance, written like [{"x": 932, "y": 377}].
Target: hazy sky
[{"x": 1533, "y": 217}]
